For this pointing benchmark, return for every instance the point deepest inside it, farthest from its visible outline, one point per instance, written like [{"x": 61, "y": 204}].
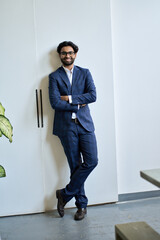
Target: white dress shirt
[{"x": 70, "y": 75}]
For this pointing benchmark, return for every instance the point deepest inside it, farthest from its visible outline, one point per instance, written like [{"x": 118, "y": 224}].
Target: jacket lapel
[
  {"x": 64, "y": 77},
  {"x": 75, "y": 77}
]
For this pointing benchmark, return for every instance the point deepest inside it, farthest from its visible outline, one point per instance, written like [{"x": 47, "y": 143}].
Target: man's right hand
[{"x": 65, "y": 98}]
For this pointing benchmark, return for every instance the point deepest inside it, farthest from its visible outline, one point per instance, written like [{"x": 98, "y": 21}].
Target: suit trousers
[{"x": 80, "y": 148}]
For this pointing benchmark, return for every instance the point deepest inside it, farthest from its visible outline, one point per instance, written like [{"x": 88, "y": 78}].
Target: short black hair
[{"x": 65, "y": 44}]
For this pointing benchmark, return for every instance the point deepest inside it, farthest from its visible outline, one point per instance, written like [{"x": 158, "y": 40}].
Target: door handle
[
  {"x": 37, "y": 108},
  {"x": 41, "y": 102},
  {"x": 41, "y": 109}
]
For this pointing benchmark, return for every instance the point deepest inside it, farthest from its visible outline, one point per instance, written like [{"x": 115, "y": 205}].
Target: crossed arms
[{"x": 61, "y": 103}]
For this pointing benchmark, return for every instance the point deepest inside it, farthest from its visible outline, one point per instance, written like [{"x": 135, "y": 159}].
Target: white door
[
  {"x": 22, "y": 191},
  {"x": 87, "y": 23}
]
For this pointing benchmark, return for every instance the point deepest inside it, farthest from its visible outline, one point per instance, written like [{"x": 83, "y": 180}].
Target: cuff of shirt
[{"x": 70, "y": 98}]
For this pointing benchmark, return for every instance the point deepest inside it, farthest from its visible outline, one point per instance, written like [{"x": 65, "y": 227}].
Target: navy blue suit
[{"x": 78, "y": 140}]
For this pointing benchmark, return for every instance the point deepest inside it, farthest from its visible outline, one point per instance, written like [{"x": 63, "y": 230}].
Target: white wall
[
  {"x": 31, "y": 31},
  {"x": 136, "y": 51}
]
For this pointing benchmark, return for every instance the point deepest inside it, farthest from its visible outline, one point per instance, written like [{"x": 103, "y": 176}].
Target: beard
[{"x": 67, "y": 63}]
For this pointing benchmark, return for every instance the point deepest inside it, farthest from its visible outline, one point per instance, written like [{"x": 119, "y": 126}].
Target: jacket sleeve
[
  {"x": 89, "y": 94},
  {"x": 55, "y": 97}
]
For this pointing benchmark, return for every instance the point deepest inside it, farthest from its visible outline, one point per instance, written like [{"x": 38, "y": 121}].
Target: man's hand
[{"x": 65, "y": 98}]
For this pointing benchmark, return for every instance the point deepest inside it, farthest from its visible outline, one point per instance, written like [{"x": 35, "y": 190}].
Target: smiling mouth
[{"x": 67, "y": 60}]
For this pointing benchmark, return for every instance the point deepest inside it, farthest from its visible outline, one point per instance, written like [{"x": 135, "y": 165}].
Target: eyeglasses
[{"x": 69, "y": 53}]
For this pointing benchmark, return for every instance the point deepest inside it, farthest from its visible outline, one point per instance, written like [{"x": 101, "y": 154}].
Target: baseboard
[{"x": 138, "y": 195}]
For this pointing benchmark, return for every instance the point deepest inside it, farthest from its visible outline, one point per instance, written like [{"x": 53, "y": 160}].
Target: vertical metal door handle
[
  {"x": 37, "y": 108},
  {"x": 41, "y": 108}
]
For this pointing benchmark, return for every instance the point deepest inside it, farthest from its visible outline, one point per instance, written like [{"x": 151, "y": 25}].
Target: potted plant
[{"x": 6, "y": 129}]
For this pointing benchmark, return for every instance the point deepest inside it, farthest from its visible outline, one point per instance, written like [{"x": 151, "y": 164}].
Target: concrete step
[{"x": 135, "y": 231}]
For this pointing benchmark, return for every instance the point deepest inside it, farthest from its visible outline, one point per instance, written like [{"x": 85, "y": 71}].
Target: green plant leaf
[
  {"x": 2, "y": 110},
  {"x": 6, "y": 127},
  {"x": 2, "y": 172},
  {"x": 1, "y": 133}
]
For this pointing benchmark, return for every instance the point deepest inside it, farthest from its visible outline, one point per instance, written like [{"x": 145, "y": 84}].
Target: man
[{"x": 71, "y": 89}]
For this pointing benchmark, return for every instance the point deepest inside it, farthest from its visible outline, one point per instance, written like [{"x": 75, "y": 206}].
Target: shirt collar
[{"x": 67, "y": 70}]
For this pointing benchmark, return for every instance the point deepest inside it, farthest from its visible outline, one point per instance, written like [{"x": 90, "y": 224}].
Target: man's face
[{"x": 67, "y": 56}]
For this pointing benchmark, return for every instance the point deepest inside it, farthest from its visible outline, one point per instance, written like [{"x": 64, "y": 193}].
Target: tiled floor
[{"x": 98, "y": 224}]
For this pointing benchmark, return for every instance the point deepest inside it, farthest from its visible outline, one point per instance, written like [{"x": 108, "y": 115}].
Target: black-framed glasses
[{"x": 71, "y": 53}]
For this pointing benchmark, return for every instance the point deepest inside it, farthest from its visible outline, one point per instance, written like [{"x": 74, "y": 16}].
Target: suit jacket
[{"x": 82, "y": 91}]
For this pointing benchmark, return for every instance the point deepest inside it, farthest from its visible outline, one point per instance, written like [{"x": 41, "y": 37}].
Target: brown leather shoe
[
  {"x": 80, "y": 214},
  {"x": 61, "y": 203}
]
